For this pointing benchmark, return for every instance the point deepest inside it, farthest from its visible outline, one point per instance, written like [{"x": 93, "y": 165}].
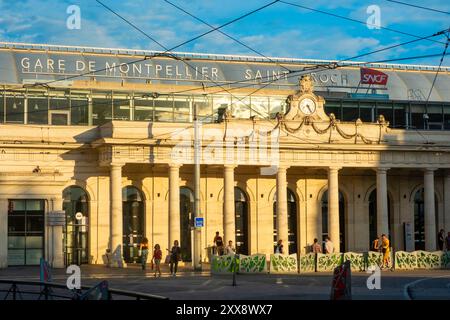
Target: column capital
[
  {"x": 174, "y": 165},
  {"x": 334, "y": 168},
  {"x": 116, "y": 164},
  {"x": 381, "y": 170},
  {"x": 230, "y": 166},
  {"x": 429, "y": 170}
]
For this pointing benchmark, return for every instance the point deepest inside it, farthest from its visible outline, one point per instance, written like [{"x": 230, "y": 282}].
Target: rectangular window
[
  {"x": 417, "y": 116},
  {"x": 260, "y": 107},
  {"x": 220, "y": 105},
  {"x": 435, "y": 117},
  {"x": 386, "y": 110},
  {"x": 276, "y": 105},
  {"x": 121, "y": 107},
  {"x": 101, "y": 109},
  {"x": 240, "y": 107},
  {"x": 446, "y": 117},
  {"x": 333, "y": 107},
  {"x": 400, "y": 114},
  {"x": 15, "y": 108},
  {"x": 350, "y": 111},
  {"x": 59, "y": 103},
  {"x": 367, "y": 111},
  {"x": 182, "y": 110},
  {"x": 79, "y": 110},
  {"x": 204, "y": 108},
  {"x": 164, "y": 109},
  {"x": 26, "y": 225},
  {"x": 37, "y": 110},
  {"x": 143, "y": 109}
]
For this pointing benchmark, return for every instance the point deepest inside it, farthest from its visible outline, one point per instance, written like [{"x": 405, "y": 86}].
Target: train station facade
[{"x": 98, "y": 152}]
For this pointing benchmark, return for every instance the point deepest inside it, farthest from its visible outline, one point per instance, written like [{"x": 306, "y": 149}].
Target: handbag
[{"x": 167, "y": 261}]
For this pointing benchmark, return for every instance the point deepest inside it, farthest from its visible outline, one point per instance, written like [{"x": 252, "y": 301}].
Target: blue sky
[{"x": 280, "y": 30}]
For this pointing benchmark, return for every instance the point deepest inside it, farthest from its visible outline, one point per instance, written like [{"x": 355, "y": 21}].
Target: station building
[{"x": 97, "y": 152}]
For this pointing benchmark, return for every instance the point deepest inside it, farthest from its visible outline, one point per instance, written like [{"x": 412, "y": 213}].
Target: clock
[{"x": 307, "y": 106}]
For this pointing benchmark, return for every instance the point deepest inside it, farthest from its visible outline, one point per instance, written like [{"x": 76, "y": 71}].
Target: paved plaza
[{"x": 395, "y": 285}]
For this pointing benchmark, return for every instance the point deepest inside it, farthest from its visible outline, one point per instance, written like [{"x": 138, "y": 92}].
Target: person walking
[
  {"x": 279, "y": 247},
  {"x": 385, "y": 249},
  {"x": 175, "y": 256},
  {"x": 316, "y": 247},
  {"x": 329, "y": 247},
  {"x": 218, "y": 243},
  {"x": 230, "y": 249},
  {"x": 157, "y": 256},
  {"x": 144, "y": 252},
  {"x": 441, "y": 239}
]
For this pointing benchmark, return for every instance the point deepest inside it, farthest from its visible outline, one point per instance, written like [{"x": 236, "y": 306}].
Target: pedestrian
[
  {"x": 218, "y": 242},
  {"x": 144, "y": 252},
  {"x": 441, "y": 239},
  {"x": 175, "y": 256},
  {"x": 385, "y": 249},
  {"x": 376, "y": 245},
  {"x": 279, "y": 247},
  {"x": 329, "y": 247},
  {"x": 447, "y": 241},
  {"x": 316, "y": 247},
  {"x": 229, "y": 249},
  {"x": 157, "y": 256}
]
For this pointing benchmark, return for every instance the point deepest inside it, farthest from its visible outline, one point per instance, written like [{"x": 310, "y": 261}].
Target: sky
[{"x": 280, "y": 30}]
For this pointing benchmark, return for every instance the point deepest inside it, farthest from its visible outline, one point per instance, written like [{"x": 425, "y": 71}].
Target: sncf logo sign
[{"x": 370, "y": 76}]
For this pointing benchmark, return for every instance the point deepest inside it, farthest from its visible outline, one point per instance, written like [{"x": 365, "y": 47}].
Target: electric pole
[{"x": 197, "y": 214}]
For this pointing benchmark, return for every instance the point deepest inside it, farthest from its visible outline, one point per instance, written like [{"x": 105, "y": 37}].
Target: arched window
[
  {"x": 292, "y": 221},
  {"x": 241, "y": 221},
  {"x": 373, "y": 232},
  {"x": 76, "y": 230},
  {"x": 133, "y": 223},
  {"x": 341, "y": 218},
  {"x": 186, "y": 222}
]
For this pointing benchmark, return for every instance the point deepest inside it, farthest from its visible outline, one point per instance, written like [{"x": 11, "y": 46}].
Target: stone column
[
  {"x": 333, "y": 207},
  {"x": 382, "y": 203},
  {"x": 430, "y": 210},
  {"x": 116, "y": 220},
  {"x": 174, "y": 203},
  {"x": 282, "y": 214},
  {"x": 229, "y": 226}
]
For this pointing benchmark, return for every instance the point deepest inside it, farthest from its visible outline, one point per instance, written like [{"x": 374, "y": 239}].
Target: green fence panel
[
  {"x": 283, "y": 264},
  {"x": 405, "y": 260},
  {"x": 307, "y": 262},
  {"x": 256, "y": 263},
  {"x": 328, "y": 262},
  {"x": 428, "y": 260},
  {"x": 222, "y": 264},
  {"x": 357, "y": 260},
  {"x": 445, "y": 260}
]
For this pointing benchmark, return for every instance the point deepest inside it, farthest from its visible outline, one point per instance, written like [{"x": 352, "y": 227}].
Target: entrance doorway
[
  {"x": 241, "y": 221},
  {"x": 76, "y": 230},
  {"x": 292, "y": 221},
  {"x": 341, "y": 219},
  {"x": 133, "y": 223},
  {"x": 26, "y": 229},
  {"x": 186, "y": 222}
]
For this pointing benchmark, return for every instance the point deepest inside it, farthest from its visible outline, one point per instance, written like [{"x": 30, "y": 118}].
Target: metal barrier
[{"x": 27, "y": 290}]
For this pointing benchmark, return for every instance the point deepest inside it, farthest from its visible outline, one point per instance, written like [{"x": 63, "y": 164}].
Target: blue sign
[{"x": 199, "y": 222}]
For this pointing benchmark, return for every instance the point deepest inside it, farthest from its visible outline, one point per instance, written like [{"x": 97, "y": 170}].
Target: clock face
[{"x": 307, "y": 106}]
